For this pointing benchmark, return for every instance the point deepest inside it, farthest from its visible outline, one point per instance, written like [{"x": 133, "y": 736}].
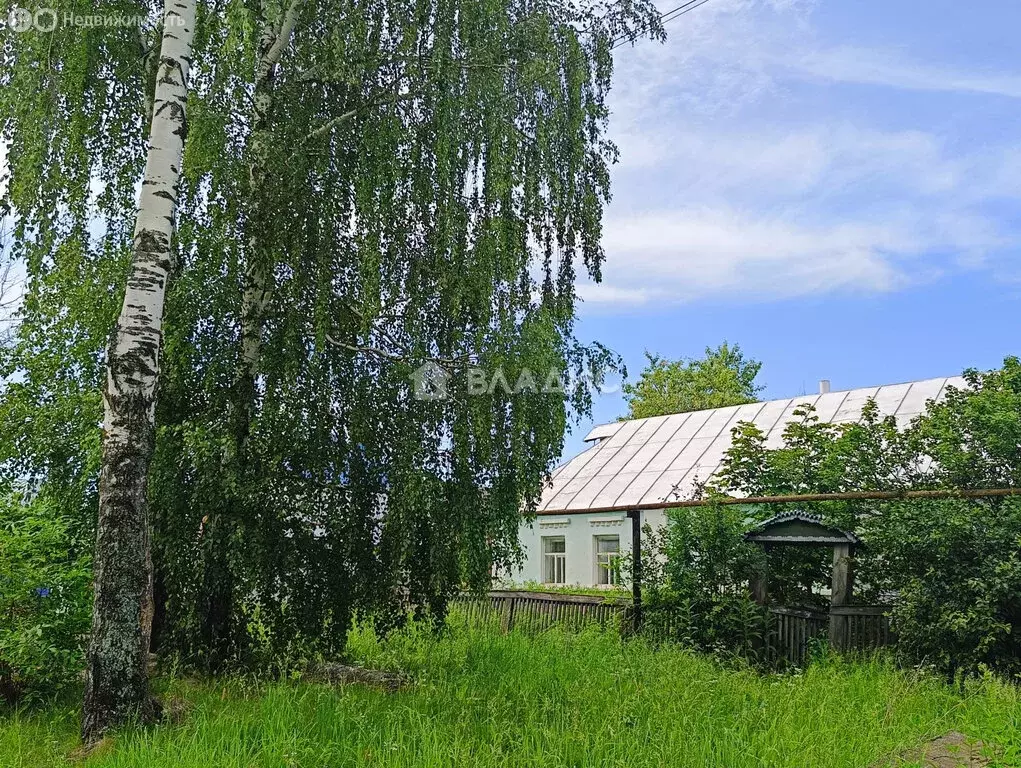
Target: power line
[
  {"x": 678, "y": 11},
  {"x": 669, "y": 16}
]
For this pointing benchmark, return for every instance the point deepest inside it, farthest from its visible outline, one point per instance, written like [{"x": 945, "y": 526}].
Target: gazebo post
[
  {"x": 840, "y": 594},
  {"x": 760, "y": 582}
]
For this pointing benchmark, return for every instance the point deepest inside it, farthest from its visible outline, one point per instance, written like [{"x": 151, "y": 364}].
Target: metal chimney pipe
[{"x": 824, "y": 387}]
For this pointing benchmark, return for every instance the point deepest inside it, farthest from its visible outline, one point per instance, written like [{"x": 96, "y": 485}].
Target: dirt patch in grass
[
  {"x": 345, "y": 674},
  {"x": 952, "y": 750}
]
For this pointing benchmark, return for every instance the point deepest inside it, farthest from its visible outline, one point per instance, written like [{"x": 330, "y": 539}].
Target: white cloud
[
  {"x": 694, "y": 254},
  {"x": 716, "y": 59},
  {"x": 780, "y": 213},
  {"x": 867, "y": 66},
  {"x": 789, "y": 160},
  {"x": 729, "y": 53},
  {"x": 730, "y": 186},
  {"x": 603, "y": 293}
]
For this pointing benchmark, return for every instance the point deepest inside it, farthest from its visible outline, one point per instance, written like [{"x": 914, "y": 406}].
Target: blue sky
[{"x": 835, "y": 185}]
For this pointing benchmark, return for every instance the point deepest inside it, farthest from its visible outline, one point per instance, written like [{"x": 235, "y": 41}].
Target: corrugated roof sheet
[{"x": 644, "y": 461}]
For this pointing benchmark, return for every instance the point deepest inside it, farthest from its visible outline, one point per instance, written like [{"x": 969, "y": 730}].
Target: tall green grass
[{"x": 485, "y": 699}]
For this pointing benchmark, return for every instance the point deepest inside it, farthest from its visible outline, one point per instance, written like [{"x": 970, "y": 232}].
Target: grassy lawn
[{"x": 483, "y": 699}]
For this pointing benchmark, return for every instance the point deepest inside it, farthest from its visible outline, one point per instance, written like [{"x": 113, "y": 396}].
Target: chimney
[{"x": 824, "y": 387}]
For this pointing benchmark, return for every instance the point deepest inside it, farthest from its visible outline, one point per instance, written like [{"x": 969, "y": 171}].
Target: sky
[{"x": 833, "y": 185}]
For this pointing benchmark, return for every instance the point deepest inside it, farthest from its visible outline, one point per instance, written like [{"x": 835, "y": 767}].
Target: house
[{"x": 582, "y": 525}]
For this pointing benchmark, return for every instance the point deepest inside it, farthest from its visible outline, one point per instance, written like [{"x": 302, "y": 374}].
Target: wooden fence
[
  {"x": 848, "y": 628},
  {"x": 788, "y": 636},
  {"x": 860, "y": 627},
  {"x": 791, "y": 631},
  {"x": 537, "y": 611}
]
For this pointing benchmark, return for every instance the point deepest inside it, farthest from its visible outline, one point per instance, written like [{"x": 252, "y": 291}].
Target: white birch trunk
[{"x": 116, "y": 678}]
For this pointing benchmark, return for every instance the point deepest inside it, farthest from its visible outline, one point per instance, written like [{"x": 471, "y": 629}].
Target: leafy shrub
[
  {"x": 696, "y": 576},
  {"x": 951, "y": 567},
  {"x": 45, "y": 590},
  {"x": 956, "y": 566}
]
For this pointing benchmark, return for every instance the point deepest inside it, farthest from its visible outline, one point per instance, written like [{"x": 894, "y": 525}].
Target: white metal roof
[{"x": 644, "y": 461}]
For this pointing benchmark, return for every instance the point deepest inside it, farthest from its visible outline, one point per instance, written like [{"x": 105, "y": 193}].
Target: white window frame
[
  {"x": 606, "y": 572},
  {"x": 554, "y": 564}
]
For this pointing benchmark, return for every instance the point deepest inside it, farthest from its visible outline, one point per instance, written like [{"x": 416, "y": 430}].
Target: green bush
[
  {"x": 951, "y": 568},
  {"x": 956, "y": 566},
  {"x": 696, "y": 578},
  {"x": 45, "y": 598}
]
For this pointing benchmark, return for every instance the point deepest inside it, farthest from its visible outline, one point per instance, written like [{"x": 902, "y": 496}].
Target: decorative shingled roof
[
  {"x": 799, "y": 528},
  {"x": 664, "y": 458}
]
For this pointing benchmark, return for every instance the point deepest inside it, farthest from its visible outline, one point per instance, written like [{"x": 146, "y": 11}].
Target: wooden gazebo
[{"x": 803, "y": 529}]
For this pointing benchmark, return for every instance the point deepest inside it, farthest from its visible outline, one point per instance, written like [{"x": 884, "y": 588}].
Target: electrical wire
[{"x": 665, "y": 18}]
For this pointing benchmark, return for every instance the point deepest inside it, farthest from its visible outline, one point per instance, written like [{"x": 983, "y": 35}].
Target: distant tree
[{"x": 722, "y": 377}]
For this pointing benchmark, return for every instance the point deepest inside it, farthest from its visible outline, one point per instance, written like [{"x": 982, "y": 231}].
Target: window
[
  {"x": 554, "y": 560},
  {"x": 607, "y": 553}
]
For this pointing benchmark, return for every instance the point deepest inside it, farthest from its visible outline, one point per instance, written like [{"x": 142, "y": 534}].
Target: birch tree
[
  {"x": 116, "y": 677},
  {"x": 72, "y": 104},
  {"x": 365, "y": 188}
]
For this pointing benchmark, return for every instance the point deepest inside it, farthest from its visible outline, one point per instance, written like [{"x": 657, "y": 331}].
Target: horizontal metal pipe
[{"x": 950, "y": 493}]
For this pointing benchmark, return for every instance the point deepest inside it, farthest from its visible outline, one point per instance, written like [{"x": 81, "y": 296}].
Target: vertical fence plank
[{"x": 507, "y": 623}]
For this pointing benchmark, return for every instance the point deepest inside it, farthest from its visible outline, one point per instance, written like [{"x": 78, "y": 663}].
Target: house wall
[{"x": 580, "y": 531}]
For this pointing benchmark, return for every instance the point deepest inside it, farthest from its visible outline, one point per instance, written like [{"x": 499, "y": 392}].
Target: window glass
[
  {"x": 554, "y": 560},
  {"x": 609, "y": 544},
  {"x": 607, "y": 552},
  {"x": 555, "y": 544}
]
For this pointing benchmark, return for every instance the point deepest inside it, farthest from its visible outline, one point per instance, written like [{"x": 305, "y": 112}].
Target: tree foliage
[
  {"x": 952, "y": 568},
  {"x": 411, "y": 181},
  {"x": 722, "y": 377},
  {"x": 955, "y": 568}
]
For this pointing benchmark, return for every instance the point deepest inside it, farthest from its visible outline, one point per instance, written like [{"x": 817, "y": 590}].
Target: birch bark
[
  {"x": 116, "y": 687},
  {"x": 258, "y": 286}
]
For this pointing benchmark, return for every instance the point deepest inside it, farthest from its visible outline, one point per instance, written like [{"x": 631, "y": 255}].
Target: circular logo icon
[
  {"x": 19, "y": 19},
  {"x": 45, "y": 20}
]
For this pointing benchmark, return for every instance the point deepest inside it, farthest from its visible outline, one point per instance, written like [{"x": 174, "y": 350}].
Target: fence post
[
  {"x": 507, "y": 620},
  {"x": 636, "y": 574}
]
